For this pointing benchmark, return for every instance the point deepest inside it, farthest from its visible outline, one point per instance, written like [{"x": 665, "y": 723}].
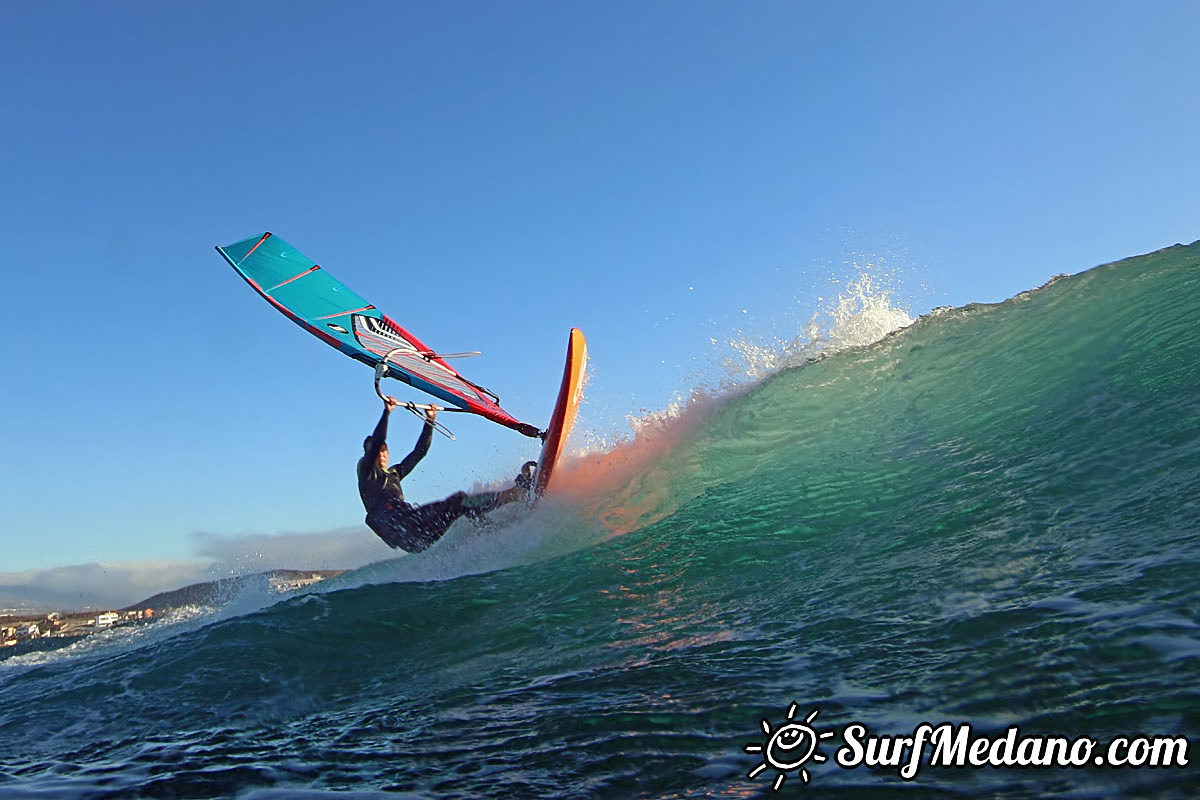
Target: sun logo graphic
[{"x": 789, "y": 747}]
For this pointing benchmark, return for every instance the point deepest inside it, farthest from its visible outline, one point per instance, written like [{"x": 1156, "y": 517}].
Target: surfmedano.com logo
[
  {"x": 789, "y": 747},
  {"x": 792, "y": 745}
]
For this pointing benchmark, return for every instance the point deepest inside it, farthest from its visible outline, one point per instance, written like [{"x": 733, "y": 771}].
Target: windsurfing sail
[{"x": 316, "y": 301}]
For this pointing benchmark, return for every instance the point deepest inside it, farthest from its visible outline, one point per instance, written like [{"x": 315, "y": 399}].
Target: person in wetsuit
[{"x": 409, "y": 527}]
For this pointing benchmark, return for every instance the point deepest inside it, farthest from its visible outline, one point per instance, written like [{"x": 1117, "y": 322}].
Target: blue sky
[{"x": 491, "y": 174}]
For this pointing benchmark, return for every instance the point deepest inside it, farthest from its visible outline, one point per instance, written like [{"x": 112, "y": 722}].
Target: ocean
[{"x": 987, "y": 521}]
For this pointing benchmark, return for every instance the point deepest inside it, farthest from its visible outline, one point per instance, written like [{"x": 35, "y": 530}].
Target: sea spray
[
  {"x": 863, "y": 312},
  {"x": 623, "y": 476}
]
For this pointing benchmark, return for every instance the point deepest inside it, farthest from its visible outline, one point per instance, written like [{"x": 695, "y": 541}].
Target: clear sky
[{"x": 490, "y": 174}]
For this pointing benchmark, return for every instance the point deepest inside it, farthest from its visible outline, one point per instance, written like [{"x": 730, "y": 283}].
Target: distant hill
[{"x": 218, "y": 591}]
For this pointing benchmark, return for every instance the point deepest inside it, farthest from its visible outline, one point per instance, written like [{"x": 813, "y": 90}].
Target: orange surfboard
[{"x": 565, "y": 409}]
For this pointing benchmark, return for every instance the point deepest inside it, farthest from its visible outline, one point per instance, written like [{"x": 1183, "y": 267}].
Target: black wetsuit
[{"x": 403, "y": 525}]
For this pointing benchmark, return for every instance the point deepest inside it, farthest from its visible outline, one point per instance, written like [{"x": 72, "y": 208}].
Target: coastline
[{"x": 26, "y": 630}]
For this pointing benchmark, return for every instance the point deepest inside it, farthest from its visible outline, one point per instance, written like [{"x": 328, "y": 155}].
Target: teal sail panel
[{"x": 325, "y": 307}]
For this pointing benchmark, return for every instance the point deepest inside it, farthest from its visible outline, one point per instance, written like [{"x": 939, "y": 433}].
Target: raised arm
[
  {"x": 423, "y": 442},
  {"x": 378, "y": 436}
]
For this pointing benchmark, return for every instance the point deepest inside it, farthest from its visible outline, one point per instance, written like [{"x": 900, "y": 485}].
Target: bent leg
[
  {"x": 479, "y": 504},
  {"x": 416, "y": 528}
]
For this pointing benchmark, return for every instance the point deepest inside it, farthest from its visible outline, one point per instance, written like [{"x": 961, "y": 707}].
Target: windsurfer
[{"x": 415, "y": 527}]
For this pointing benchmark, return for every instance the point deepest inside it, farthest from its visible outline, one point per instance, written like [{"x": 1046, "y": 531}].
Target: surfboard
[{"x": 565, "y": 408}]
